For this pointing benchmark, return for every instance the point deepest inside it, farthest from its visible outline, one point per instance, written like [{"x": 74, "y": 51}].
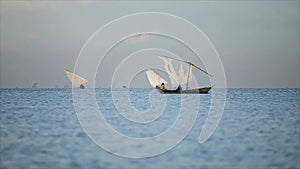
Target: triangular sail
[
  {"x": 154, "y": 78},
  {"x": 170, "y": 70},
  {"x": 76, "y": 80},
  {"x": 177, "y": 78},
  {"x": 35, "y": 85},
  {"x": 183, "y": 78}
]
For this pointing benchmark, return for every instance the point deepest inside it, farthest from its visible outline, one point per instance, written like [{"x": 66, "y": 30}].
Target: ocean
[{"x": 259, "y": 128}]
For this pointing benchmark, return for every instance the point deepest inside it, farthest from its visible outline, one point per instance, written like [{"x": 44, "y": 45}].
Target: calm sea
[{"x": 260, "y": 128}]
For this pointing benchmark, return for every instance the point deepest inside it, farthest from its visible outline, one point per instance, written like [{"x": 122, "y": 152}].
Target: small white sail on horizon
[
  {"x": 154, "y": 78},
  {"x": 76, "y": 80},
  {"x": 35, "y": 85}
]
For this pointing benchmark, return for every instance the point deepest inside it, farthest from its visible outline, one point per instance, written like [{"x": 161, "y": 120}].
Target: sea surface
[{"x": 260, "y": 128}]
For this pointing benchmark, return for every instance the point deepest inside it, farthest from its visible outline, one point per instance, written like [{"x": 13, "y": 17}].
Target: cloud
[{"x": 137, "y": 38}]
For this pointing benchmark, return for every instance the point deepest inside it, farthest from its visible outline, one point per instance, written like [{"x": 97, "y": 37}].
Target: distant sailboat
[
  {"x": 35, "y": 85},
  {"x": 76, "y": 80}
]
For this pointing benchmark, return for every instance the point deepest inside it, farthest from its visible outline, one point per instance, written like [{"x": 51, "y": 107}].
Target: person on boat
[{"x": 162, "y": 86}]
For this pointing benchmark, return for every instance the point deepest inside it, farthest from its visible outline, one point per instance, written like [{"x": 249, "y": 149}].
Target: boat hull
[{"x": 204, "y": 90}]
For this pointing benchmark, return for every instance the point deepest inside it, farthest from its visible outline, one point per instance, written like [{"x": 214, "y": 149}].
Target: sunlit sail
[
  {"x": 76, "y": 80},
  {"x": 154, "y": 78}
]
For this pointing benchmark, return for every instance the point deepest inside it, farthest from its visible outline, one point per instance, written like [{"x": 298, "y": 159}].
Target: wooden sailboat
[
  {"x": 76, "y": 80},
  {"x": 34, "y": 86},
  {"x": 203, "y": 90},
  {"x": 171, "y": 72}
]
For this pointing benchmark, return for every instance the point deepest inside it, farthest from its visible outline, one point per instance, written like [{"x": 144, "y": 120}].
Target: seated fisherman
[{"x": 162, "y": 86}]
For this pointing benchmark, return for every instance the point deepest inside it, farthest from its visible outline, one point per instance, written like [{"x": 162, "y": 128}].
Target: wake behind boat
[{"x": 177, "y": 78}]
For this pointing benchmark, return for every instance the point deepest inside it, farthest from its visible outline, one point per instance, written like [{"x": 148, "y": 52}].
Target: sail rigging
[
  {"x": 170, "y": 71},
  {"x": 177, "y": 77},
  {"x": 190, "y": 63},
  {"x": 76, "y": 80},
  {"x": 181, "y": 76},
  {"x": 186, "y": 78},
  {"x": 154, "y": 78}
]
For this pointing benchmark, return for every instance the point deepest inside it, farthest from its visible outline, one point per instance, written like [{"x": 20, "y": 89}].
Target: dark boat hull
[{"x": 204, "y": 90}]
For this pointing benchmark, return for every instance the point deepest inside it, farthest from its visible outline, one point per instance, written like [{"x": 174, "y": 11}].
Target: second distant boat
[{"x": 76, "y": 80}]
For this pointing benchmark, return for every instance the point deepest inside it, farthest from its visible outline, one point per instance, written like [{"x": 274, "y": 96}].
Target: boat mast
[
  {"x": 188, "y": 77},
  {"x": 190, "y": 63}
]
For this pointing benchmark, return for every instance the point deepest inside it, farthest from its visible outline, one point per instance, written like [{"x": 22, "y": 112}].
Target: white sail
[
  {"x": 177, "y": 78},
  {"x": 76, "y": 80},
  {"x": 35, "y": 85},
  {"x": 190, "y": 73},
  {"x": 154, "y": 78},
  {"x": 171, "y": 71},
  {"x": 183, "y": 77}
]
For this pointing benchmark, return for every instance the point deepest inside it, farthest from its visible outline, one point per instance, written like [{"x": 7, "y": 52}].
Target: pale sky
[{"x": 257, "y": 41}]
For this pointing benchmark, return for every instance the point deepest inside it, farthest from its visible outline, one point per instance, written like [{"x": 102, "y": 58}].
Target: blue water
[{"x": 260, "y": 128}]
